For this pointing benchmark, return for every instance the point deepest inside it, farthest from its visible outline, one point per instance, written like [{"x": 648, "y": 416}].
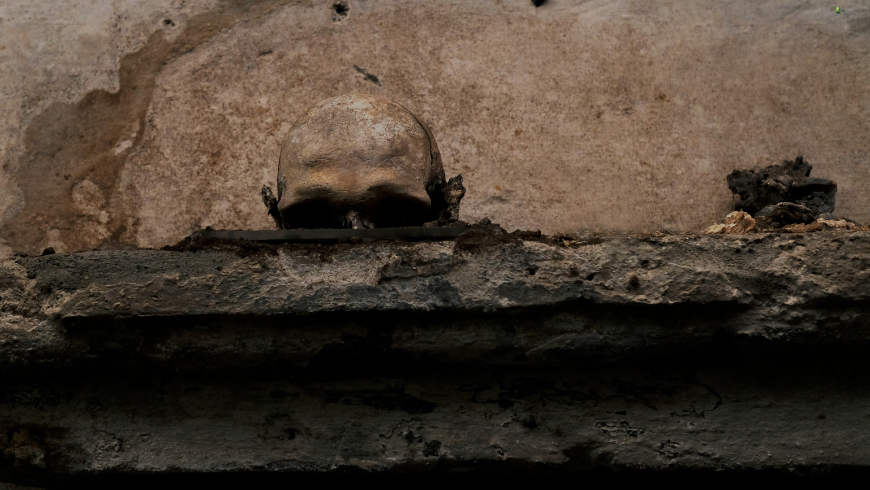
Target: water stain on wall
[{"x": 74, "y": 153}]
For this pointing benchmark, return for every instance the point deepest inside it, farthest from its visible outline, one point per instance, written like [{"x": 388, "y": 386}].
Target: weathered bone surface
[{"x": 361, "y": 161}]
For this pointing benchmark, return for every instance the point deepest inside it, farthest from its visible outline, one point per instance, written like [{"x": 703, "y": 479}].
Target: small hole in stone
[
  {"x": 529, "y": 421},
  {"x": 590, "y": 277},
  {"x": 822, "y": 417},
  {"x": 633, "y": 281},
  {"x": 339, "y": 11},
  {"x": 538, "y": 3},
  {"x": 169, "y": 22},
  {"x": 532, "y": 270}
]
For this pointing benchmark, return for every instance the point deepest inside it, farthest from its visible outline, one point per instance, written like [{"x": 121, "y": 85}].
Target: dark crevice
[
  {"x": 339, "y": 11},
  {"x": 378, "y": 343},
  {"x": 482, "y": 473},
  {"x": 368, "y": 76}
]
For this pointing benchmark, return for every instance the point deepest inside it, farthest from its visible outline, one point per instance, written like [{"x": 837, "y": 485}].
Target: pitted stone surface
[
  {"x": 592, "y": 292},
  {"x": 499, "y": 351},
  {"x": 713, "y": 418}
]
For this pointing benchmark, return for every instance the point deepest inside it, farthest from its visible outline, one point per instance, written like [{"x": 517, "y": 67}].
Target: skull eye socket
[
  {"x": 310, "y": 215},
  {"x": 395, "y": 212},
  {"x": 392, "y": 212}
]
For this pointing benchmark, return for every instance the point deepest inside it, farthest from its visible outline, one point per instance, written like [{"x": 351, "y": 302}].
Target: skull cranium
[{"x": 359, "y": 161}]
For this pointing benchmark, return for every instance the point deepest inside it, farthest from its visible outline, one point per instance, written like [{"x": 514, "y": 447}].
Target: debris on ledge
[
  {"x": 735, "y": 222},
  {"x": 782, "y": 198},
  {"x": 790, "y": 181}
]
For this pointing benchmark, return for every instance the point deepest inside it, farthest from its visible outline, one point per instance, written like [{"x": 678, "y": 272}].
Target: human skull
[{"x": 358, "y": 161}]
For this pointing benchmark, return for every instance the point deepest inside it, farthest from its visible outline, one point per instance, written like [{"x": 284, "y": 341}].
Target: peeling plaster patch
[
  {"x": 70, "y": 143},
  {"x": 88, "y": 197},
  {"x": 58, "y": 52},
  {"x": 127, "y": 143}
]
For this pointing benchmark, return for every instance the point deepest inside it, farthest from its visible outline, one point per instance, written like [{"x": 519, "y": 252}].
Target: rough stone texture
[
  {"x": 826, "y": 224},
  {"x": 593, "y": 292},
  {"x": 610, "y": 114},
  {"x": 755, "y": 417},
  {"x": 499, "y": 351},
  {"x": 761, "y": 189},
  {"x": 451, "y": 193},
  {"x": 783, "y": 214}
]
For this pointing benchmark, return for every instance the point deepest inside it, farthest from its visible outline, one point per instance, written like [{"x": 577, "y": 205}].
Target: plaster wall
[{"x": 134, "y": 123}]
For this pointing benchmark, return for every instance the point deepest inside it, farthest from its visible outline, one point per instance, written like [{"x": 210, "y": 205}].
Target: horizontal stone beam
[
  {"x": 487, "y": 297},
  {"x": 500, "y": 351},
  {"x": 714, "y": 418}
]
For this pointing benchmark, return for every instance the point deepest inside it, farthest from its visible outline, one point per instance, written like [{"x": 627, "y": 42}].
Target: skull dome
[{"x": 360, "y": 161}]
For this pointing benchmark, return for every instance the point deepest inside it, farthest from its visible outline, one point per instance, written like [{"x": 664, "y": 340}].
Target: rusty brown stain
[{"x": 68, "y": 143}]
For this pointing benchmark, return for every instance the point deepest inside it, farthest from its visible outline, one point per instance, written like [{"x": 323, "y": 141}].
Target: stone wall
[{"x": 134, "y": 123}]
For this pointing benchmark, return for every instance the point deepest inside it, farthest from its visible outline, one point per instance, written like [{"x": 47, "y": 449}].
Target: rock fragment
[
  {"x": 784, "y": 214},
  {"x": 271, "y": 203},
  {"x": 447, "y": 201},
  {"x": 788, "y": 182},
  {"x": 782, "y": 198},
  {"x": 837, "y": 223},
  {"x": 735, "y": 222},
  {"x": 823, "y": 224}
]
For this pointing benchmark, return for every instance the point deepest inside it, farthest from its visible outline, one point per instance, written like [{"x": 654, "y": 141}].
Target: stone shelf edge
[
  {"x": 499, "y": 351},
  {"x": 457, "y": 300}
]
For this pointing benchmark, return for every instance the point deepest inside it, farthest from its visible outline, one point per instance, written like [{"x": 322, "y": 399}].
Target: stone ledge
[
  {"x": 507, "y": 352},
  {"x": 663, "y": 418},
  {"x": 501, "y": 301}
]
